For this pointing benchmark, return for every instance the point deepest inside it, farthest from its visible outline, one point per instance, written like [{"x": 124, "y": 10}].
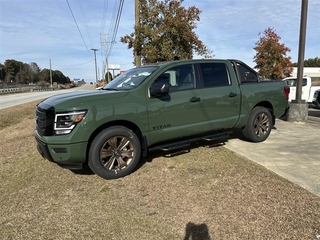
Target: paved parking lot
[{"x": 292, "y": 151}]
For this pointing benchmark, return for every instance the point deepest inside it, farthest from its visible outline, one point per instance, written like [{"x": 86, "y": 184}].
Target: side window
[
  {"x": 293, "y": 82},
  {"x": 179, "y": 78},
  {"x": 304, "y": 82},
  {"x": 246, "y": 75},
  {"x": 164, "y": 78},
  {"x": 214, "y": 74}
]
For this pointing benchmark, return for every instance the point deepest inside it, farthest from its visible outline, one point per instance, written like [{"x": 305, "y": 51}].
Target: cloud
[{"x": 236, "y": 27}]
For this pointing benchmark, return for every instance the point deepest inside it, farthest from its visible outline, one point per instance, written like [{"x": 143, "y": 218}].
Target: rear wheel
[
  {"x": 114, "y": 152},
  {"x": 259, "y": 125}
]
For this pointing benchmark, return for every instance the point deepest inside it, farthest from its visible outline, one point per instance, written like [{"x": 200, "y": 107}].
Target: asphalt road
[{"x": 10, "y": 100}]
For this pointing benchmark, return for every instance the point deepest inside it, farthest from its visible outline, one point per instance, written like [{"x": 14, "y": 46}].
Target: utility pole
[
  {"x": 50, "y": 73},
  {"x": 298, "y": 111},
  {"x": 302, "y": 43},
  {"x": 95, "y": 62},
  {"x": 103, "y": 40},
  {"x": 137, "y": 58}
]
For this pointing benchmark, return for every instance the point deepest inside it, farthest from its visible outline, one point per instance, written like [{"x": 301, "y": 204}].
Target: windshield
[{"x": 130, "y": 79}]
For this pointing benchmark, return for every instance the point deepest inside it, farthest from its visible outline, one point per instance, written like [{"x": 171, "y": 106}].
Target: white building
[{"x": 313, "y": 72}]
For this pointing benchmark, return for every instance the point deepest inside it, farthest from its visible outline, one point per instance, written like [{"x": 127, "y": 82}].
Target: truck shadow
[
  {"x": 85, "y": 171},
  {"x": 156, "y": 154}
]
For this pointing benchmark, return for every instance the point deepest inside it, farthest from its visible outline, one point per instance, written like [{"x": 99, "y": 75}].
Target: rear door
[{"x": 221, "y": 98}]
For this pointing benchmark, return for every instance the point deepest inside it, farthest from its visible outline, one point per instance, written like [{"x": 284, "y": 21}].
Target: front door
[{"x": 177, "y": 114}]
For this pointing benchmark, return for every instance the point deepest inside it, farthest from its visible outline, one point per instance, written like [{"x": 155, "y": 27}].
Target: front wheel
[
  {"x": 114, "y": 152},
  {"x": 259, "y": 125}
]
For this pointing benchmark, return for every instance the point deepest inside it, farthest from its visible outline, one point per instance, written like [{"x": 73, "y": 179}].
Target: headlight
[{"x": 65, "y": 122}]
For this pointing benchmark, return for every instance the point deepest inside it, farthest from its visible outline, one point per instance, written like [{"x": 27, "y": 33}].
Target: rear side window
[
  {"x": 293, "y": 82},
  {"x": 214, "y": 74},
  {"x": 246, "y": 75}
]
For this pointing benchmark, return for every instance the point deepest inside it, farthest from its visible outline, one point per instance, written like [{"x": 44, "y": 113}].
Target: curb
[{"x": 313, "y": 119}]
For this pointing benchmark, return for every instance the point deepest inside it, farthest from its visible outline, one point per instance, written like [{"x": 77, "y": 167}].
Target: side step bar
[
  {"x": 221, "y": 136},
  {"x": 217, "y": 136},
  {"x": 174, "y": 146}
]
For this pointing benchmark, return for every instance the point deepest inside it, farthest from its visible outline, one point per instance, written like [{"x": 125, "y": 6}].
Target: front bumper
[
  {"x": 43, "y": 150},
  {"x": 71, "y": 156}
]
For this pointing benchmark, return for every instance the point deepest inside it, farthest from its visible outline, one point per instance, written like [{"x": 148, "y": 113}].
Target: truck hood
[{"x": 81, "y": 99}]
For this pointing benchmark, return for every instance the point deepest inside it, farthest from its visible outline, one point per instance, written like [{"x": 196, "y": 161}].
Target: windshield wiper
[{"x": 109, "y": 89}]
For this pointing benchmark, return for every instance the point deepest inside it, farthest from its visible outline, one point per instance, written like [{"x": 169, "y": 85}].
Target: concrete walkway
[{"x": 292, "y": 151}]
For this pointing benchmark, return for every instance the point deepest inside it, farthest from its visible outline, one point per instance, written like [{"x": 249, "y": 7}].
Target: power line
[
  {"x": 73, "y": 64},
  {"x": 106, "y": 42},
  {"x": 104, "y": 39},
  {"x": 79, "y": 29},
  {"x": 104, "y": 16},
  {"x": 112, "y": 19},
  {"x": 85, "y": 21},
  {"x": 116, "y": 26},
  {"x": 117, "y": 21},
  {"x": 103, "y": 36}
]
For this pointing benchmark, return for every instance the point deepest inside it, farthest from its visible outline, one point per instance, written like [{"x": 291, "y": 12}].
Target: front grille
[
  {"x": 44, "y": 119},
  {"x": 41, "y": 119}
]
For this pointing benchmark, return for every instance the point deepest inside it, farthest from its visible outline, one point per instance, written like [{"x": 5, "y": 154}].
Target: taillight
[{"x": 286, "y": 90}]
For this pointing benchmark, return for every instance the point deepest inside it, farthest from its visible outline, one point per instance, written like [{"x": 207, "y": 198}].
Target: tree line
[
  {"x": 14, "y": 72},
  {"x": 311, "y": 62}
]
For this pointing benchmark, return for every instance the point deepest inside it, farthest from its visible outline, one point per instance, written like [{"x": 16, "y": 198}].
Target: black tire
[
  {"x": 259, "y": 125},
  {"x": 114, "y": 152}
]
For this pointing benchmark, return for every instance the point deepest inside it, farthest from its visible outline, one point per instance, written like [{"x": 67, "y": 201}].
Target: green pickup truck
[{"x": 164, "y": 106}]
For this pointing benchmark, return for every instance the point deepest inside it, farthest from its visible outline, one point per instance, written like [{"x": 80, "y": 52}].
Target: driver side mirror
[{"x": 159, "y": 89}]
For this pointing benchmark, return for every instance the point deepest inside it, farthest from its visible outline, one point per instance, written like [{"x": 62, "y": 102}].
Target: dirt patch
[{"x": 205, "y": 193}]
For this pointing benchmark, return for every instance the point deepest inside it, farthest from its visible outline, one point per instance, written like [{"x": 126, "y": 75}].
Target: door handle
[
  {"x": 195, "y": 99},
  {"x": 232, "y": 94}
]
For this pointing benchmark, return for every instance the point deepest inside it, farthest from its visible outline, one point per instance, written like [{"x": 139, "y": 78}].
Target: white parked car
[{"x": 308, "y": 91}]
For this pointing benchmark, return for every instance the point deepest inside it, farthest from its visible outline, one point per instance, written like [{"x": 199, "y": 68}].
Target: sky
[{"x": 63, "y": 32}]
